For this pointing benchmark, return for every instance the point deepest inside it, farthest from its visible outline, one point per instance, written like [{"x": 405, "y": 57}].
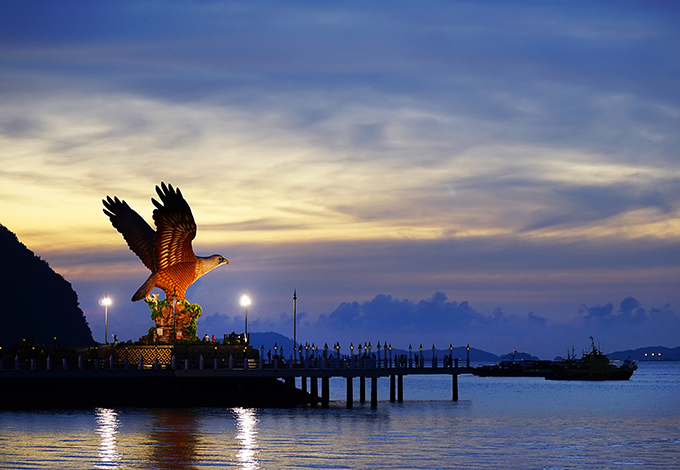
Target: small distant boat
[
  {"x": 593, "y": 365},
  {"x": 514, "y": 368}
]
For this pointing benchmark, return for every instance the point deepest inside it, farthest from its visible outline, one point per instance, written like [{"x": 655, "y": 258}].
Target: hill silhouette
[
  {"x": 37, "y": 303},
  {"x": 649, "y": 353}
]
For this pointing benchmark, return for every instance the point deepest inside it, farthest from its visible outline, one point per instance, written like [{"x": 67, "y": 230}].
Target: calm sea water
[{"x": 519, "y": 423}]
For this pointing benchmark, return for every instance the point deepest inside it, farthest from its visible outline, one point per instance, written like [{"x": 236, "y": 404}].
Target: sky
[{"x": 503, "y": 174}]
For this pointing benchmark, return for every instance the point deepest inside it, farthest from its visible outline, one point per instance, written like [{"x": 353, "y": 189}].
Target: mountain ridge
[{"x": 38, "y": 304}]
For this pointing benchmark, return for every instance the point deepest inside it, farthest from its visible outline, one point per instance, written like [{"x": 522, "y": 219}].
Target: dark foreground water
[{"x": 517, "y": 423}]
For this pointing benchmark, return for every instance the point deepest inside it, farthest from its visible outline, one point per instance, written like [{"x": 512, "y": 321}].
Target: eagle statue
[{"x": 167, "y": 251}]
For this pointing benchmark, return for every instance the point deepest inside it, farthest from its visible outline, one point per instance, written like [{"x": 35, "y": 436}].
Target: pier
[{"x": 210, "y": 376}]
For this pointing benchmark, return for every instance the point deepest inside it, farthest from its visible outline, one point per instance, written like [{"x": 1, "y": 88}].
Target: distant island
[{"x": 656, "y": 353}]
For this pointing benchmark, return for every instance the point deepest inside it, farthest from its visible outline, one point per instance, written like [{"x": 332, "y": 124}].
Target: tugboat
[{"x": 593, "y": 365}]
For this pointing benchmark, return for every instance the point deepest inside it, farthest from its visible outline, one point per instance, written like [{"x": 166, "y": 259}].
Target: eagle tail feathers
[{"x": 143, "y": 291}]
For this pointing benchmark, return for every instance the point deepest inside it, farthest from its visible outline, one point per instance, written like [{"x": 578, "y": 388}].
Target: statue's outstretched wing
[
  {"x": 137, "y": 233},
  {"x": 175, "y": 228}
]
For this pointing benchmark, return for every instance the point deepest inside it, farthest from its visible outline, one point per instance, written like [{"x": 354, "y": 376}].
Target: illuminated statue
[{"x": 167, "y": 251}]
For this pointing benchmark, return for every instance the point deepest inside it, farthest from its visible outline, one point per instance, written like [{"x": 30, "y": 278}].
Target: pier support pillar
[
  {"x": 290, "y": 383},
  {"x": 325, "y": 391},
  {"x": 400, "y": 388},
  {"x": 314, "y": 389},
  {"x": 362, "y": 389},
  {"x": 350, "y": 391},
  {"x": 303, "y": 383},
  {"x": 392, "y": 388},
  {"x": 374, "y": 392},
  {"x": 454, "y": 386}
]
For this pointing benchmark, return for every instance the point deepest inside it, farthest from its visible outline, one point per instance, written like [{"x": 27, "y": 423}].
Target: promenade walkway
[{"x": 310, "y": 370}]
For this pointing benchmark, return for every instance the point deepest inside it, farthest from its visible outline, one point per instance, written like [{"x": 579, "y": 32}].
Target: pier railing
[
  {"x": 239, "y": 363},
  {"x": 230, "y": 358}
]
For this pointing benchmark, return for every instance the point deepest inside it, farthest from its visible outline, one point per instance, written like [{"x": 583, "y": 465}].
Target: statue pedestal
[{"x": 173, "y": 323}]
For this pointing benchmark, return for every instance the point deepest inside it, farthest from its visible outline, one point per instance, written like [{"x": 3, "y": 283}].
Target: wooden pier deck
[{"x": 29, "y": 380}]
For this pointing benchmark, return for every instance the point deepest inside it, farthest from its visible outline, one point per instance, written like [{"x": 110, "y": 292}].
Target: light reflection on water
[
  {"x": 246, "y": 435},
  {"x": 498, "y": 423},
  {"x": 107, "y": 428}
]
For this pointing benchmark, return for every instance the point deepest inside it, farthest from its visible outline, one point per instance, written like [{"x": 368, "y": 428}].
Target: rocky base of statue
[{"x": 173, "y": 322}]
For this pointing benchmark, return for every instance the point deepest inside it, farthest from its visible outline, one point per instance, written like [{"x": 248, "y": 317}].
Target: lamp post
[
  {"x": 105, "y": 302},
  {"x": 294, "y": 319},
  {"x": 245, "y": 301}
]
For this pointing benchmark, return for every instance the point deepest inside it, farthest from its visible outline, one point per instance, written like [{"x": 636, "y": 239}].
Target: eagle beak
[{"x": 225, "y": 261}]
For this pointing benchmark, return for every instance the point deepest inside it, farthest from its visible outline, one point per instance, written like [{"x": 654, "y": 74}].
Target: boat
[
  {"x": 593, "y": 365},
  {"x": 514, "y": 368}
]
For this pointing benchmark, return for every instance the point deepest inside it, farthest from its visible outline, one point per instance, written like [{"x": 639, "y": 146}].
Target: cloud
[
  {"x": 441, "y": 321},
  {"x": 597, "y": 312},
  {"x": 435, "y": 319}
]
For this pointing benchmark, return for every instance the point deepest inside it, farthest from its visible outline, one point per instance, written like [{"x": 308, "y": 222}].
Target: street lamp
[
  {"x": 294, "y": 320},
  {"x": 245, "y": 301},
  {"x": 105, "y": 302}
]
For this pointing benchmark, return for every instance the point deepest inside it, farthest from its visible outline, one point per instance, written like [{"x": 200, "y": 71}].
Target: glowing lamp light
[
  {"x": 105, "y": 302},
  {"x": 245, "y": 301}
]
